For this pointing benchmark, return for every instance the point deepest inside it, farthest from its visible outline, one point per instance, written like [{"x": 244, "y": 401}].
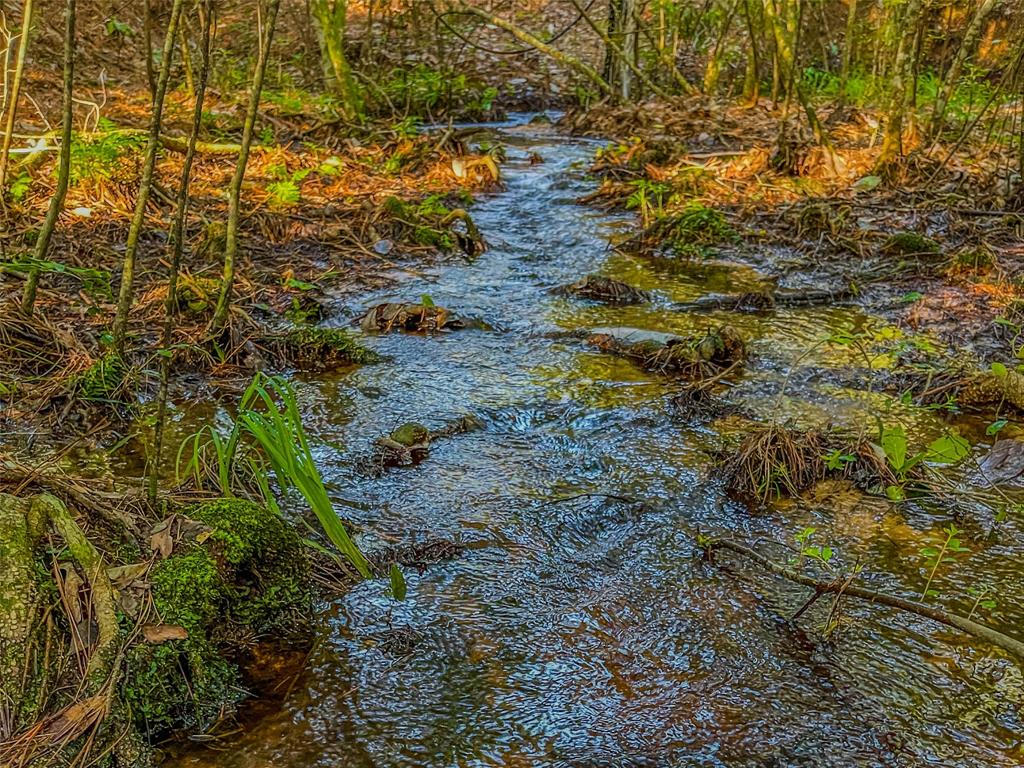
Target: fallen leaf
[
  {"x": 162, "y": 543},
  {"x": 162, "y": 633}
]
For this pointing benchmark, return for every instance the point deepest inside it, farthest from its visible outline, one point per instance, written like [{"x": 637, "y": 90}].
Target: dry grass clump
[
  {"x": 37, "y": 358},
  {"x": 774, "y": 461}
]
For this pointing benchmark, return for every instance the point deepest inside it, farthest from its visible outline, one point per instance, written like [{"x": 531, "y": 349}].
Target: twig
[{"x": 993, "y": 636}]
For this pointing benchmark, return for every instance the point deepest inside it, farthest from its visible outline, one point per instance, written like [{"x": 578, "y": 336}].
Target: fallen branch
[{"x": 993, "y": 636}]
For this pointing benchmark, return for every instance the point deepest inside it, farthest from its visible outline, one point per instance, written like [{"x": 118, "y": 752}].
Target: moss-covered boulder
[{"x": 243, "y": 574}]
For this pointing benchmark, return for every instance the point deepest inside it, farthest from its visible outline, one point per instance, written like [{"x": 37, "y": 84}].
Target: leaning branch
[
  {"x": 523, "y": 36},
  {"x": 995, "y": 637}
]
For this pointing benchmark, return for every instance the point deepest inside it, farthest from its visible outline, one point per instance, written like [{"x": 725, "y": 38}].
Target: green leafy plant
[
  {"x": 649, "y": 198},
  {"x": 818, "y": 553},
  {"x": 948, "y": 449},
  {"x": 268, "y": 430},
  {"x": 937, "y": 556},
  {"x": 836, "y": 461}
]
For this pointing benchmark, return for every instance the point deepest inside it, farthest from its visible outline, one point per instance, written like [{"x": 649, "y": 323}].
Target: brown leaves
[
  {"x": 385, "y": 318},
  {"x": 156, "y": 634}
]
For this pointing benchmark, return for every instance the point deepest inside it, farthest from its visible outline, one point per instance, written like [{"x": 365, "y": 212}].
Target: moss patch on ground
[{"x": 322, "y": 348}]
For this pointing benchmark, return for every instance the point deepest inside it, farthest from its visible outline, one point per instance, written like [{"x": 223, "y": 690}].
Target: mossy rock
[
  {"x": 695, "y": 357},
  {"x": 905, "y": 244},
  {"x": 324, "y": 348},
  {"x": 410, "y": 435},
  {"x": 248, "y": 576}
]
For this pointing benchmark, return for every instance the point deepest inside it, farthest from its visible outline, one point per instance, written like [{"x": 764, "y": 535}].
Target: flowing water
[{"x": 585, "y": 630}]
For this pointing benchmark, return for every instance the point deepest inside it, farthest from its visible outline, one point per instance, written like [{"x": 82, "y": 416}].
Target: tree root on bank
[
  {"x": 25, "y": 523},
  {"x": 842, "y": 587}
]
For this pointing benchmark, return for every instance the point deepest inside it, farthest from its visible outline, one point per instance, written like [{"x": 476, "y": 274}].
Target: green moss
[
  {"x": 249, "y": 576},
  {"x": 103, "y": 380},
  {"x": 410, "y": 434},
  {"x": 909, "y": 244},
  {"x": 197, "y": 294},
  {"x": 695, "y": 228},
  {"x": 326, "y": 347}
]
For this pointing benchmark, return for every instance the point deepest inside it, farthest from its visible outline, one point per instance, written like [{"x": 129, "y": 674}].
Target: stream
[{"x": 581, "y": 627}]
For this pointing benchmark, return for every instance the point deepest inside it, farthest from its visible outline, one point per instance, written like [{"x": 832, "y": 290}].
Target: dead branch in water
[{"x": 841, "y": 586}]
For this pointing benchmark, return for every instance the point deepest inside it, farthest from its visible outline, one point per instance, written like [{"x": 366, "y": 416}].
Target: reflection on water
[{"x": 585, "y": 631}]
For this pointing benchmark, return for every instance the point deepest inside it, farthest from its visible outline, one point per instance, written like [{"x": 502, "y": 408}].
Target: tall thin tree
[
  {"x": 178, "y": 245},
  {"x": 12, "y": 97},
  {"x": 125, "y": 295},
  {"x": 220, "y": 315},
  {"x": 28, "y": 298}
]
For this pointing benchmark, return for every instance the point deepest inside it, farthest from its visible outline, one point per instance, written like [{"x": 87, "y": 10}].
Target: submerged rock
[
  {"x": 604, "y": 289},
  {"x": 697, "y": 356},
  {"x": 409, "y": 444},
  {"x": 1004, "y": 464}
]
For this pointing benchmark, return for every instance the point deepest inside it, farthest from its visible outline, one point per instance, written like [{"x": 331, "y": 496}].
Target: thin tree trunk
[
  {"x": 621, "y": 56},
  {"x": 525, "y": 37},
  {"x": 178, "y": 244},
  {"x": 968, "y": 46},
  {"x": 125, "y": 295},
  {"x": 628, "y": 66},
  {"x": 752, "y": 75},
  {"x": 713, "y": 69},
  {"x": 331, "y": 17},
  {"x": 902, "y": 85},
  {"x": 220, "y": 316},
  {"x": 186, "y": 61},
  {"x": 28, "y": 298},
  {"x": 147, "y": 42},
  {"x": 849, "y": 46},
  {"x": 12, "y": 99}
]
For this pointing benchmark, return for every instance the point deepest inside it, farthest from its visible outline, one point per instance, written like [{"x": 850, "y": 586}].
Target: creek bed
[{"x": 588, "y": 632}]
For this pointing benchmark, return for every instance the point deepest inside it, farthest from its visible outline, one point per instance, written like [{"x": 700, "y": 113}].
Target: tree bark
[
  {"x": 902, "y": 89},
  {"x": 331, "y": 17}
]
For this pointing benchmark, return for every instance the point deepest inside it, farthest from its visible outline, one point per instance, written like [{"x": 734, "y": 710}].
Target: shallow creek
[{"x": 583, "y": 630}]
